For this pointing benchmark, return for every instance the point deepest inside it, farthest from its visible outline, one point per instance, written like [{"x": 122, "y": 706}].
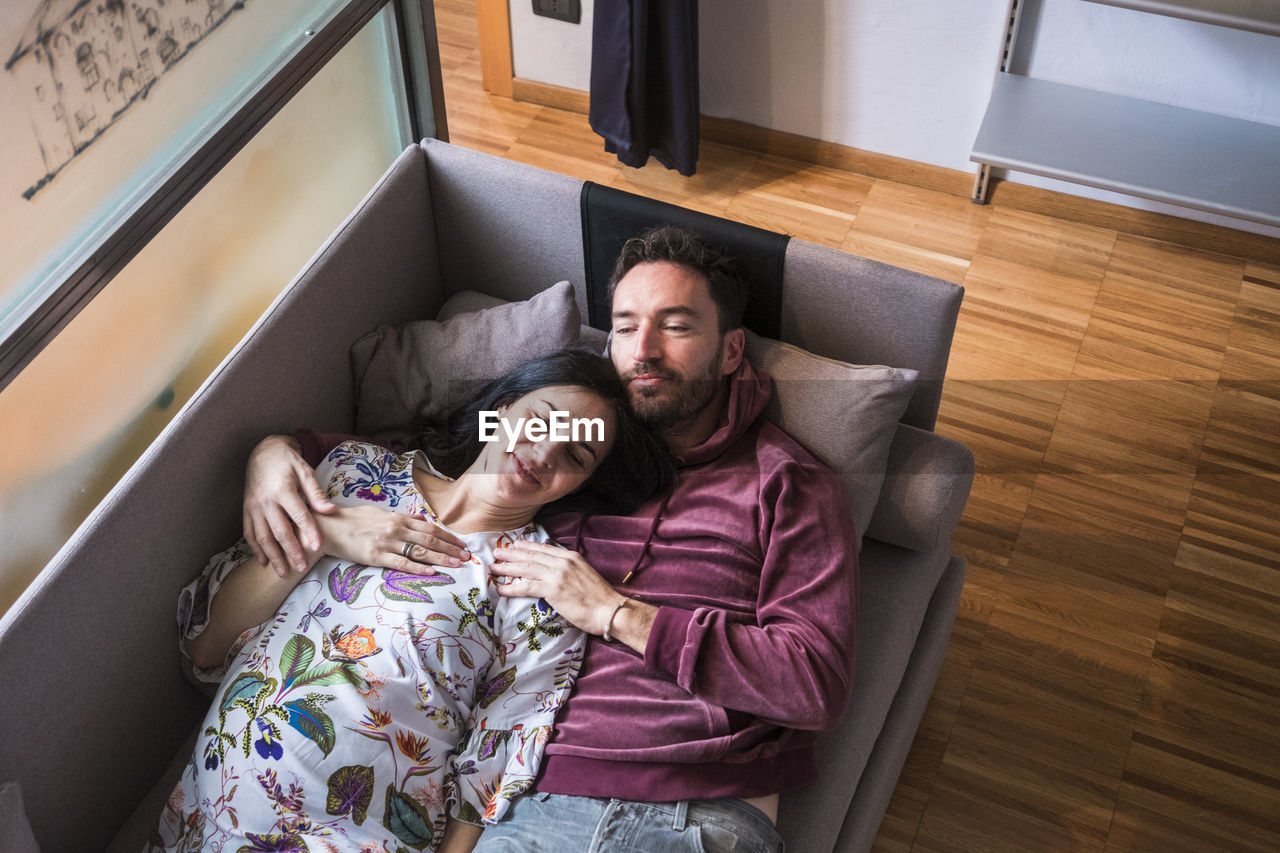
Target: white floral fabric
[{"x": 376, "y": 701}]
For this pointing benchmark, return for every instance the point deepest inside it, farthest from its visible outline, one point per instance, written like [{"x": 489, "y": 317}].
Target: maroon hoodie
[{"x": 752, "y": 563}]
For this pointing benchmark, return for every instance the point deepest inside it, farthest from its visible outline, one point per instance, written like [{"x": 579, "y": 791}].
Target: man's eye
[
  {"x": 677, "y": 328},
  {"x": 623, "y": 330}
]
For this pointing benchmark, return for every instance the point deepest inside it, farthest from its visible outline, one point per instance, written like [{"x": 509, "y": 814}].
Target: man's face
[{"x": 667, "y": 345}]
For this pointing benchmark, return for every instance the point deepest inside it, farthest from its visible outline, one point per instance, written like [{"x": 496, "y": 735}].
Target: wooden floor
[{"x": 1113, "y": 681}]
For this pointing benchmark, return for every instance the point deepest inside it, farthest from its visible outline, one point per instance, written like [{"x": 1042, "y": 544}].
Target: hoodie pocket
[{"x": 717, "y": 720}]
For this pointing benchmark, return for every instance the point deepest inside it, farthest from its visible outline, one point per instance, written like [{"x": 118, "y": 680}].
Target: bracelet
[{"x": 608, "y": 623}]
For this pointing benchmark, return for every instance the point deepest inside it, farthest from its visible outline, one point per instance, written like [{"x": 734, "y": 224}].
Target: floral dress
[{"x": 375, "y": 701}]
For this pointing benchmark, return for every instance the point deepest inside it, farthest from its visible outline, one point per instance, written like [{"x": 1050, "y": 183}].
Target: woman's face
[{"x": 577, "y": 430}]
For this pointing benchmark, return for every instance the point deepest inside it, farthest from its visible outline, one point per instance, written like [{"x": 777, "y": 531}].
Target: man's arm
[
  {"x": 280, "y": 494},
  {"x": 792, "y": 666},
  {"x": 575, "y": 589}
]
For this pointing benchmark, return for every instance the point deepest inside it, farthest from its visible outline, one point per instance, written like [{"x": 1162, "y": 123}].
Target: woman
[{"x": 366, "y": 708}]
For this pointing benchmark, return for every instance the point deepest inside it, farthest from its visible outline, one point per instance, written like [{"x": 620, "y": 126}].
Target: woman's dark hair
[{"x": 636, "y": 467}]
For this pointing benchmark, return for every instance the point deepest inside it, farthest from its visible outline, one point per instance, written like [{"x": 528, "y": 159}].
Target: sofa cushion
[
  {"x": 421, "y": 370},
  {"x": 589, "y": 338},
  {"x": 844, "y": 414},
  {"x": 896, "y": 588},
  {"x": 926, "y": 485}
]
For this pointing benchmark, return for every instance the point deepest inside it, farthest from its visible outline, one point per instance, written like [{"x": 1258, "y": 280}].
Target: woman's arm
[{"x": 250, "y": 596}]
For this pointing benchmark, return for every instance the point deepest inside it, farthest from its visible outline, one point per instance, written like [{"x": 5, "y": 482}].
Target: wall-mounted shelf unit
[
  {"x": 1259, "y": 16},
  {"x": 1172, "y": 154}
]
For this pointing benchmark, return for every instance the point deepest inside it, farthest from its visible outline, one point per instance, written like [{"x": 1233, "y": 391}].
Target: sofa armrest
[
  {"x": 113, "y": 587},
  {"x": 925, "y": 488}
]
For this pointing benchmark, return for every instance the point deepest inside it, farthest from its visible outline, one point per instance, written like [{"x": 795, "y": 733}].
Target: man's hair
[{"x": 677, "y": 245}]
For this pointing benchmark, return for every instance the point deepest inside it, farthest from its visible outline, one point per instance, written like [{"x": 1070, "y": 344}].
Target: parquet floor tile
[
  {"x": 1129, "y": 426},
  {"x": 1163, "y": 312},
  {"x": 1029, "y": 297},
  {"x": 811, "y": 202},
  {"x": 917, "y": 229},
  {"x": 1035, "y": 758},
  {"x": 1243, "y": 433},
  {"x": 1095, "y": 554},
  {"x": 711, "y": 190}
]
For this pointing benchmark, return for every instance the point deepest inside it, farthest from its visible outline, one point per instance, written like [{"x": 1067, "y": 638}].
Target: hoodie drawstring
[
  {"x": 644, "y": 549},
  {"x": 653, "y": 528}
]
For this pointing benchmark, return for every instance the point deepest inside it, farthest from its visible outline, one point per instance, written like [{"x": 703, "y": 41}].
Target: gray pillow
[
  {"x": 423, "y": 369},
  {"x": 845, "y": 414}
]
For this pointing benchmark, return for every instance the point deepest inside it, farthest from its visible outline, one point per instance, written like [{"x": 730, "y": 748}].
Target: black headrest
[{"x": 610, "y": 217}]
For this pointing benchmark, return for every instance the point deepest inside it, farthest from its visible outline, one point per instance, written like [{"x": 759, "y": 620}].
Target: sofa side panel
[
  {"x": 896, "y": 586},
  {"x": 865, "y": 312},
  {"x": 94, "y": 700},
  {"x": 880, "y": 778},
  {"x": 512, "y": 230}
]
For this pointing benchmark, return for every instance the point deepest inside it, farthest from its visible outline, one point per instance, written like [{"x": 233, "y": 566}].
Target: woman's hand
[
  {"x": 575, "y": 589},
  {"x": 280, "y": 494},
  {"x": 374, "y": 536}
]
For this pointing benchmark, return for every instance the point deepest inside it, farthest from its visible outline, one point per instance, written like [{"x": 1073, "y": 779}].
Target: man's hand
[
  {"x": 575, "y": 589},
  {"x": 280, "y": 494},
  {"x": 375, "y": 536}
]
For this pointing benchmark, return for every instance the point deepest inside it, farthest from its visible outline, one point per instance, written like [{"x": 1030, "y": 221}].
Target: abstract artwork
[{"x": 83, "y": 63}]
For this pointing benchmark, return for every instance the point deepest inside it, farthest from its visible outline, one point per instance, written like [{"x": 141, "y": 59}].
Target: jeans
[{"x": 557, "y": 823}]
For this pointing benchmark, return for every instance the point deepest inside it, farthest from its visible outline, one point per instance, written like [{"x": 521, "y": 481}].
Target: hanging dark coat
[{"x": 644, "y": 81}]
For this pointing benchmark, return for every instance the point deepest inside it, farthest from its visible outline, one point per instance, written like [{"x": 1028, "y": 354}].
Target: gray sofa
[{"x": 94, "y": 709}]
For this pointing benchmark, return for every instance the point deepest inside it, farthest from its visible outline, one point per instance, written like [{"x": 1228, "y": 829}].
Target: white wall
[
  {"x": 551, "y": 51},
  {"x": 910, "y": 78}
]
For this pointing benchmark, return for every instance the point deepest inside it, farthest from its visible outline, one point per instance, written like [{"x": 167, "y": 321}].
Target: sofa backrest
[
  {"x": 512, "y": 230},
  {"x": 865, "y": 312},
  {"x": 832, "y": 304},
  {"x": 94, "y": 706}
]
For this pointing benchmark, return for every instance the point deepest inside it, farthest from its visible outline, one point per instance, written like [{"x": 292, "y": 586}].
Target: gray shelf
[
  {"x": 1171, "y": 154},
  {"x": 1259, "y": 16}
]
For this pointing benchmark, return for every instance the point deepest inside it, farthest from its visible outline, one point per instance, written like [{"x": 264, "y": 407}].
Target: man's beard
[{"x": 679, "y": 402}]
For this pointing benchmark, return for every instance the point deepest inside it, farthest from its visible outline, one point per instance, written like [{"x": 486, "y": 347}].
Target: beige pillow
[
  {"x": 423, "y": 369},
  {"x": 845, "y": 414}
]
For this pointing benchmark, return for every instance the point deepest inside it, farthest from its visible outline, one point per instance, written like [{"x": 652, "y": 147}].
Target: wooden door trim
[{"x": 493, "y": 19}]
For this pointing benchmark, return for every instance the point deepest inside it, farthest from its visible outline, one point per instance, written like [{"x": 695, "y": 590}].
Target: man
[{"x": 724, "y": 609}]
